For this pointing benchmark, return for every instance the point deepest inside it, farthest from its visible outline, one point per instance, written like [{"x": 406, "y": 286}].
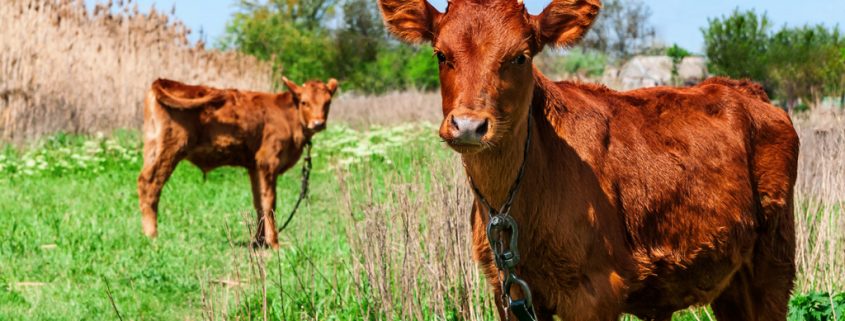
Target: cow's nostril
[
  {"x": 482, "y": 129},
  {"x": 454, "y": 123}
]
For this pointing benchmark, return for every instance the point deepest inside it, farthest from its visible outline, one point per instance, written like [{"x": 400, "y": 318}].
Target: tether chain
[
  {"x": 506, "y": 259},
  {"x": 303, "y": 188}
]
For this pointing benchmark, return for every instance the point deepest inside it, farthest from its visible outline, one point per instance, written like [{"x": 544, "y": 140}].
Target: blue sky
[{"x": 677, "y": 21}]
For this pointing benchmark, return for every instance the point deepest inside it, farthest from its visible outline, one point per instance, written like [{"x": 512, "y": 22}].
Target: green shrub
[
  {"x": 357, "y": 51},
  {"x": 817, "y": 306}
]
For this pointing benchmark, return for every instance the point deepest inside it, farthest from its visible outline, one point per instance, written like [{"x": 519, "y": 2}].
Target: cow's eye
[
  {"x": 441, "y": 58},
  {"x": 520, "y": 60}
]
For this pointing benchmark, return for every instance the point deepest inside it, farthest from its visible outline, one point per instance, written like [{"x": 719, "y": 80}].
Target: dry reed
[
  {"x": 413, "y": 247},
  {"x": 393, "y": 108},
  {"x": 820, "y": 198},
  {"x": 65, "y": 69}
]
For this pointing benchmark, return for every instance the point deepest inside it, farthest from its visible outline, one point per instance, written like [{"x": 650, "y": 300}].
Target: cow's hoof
[
  {"x": 151, "y": 233},
  {"x": 150, "y": 228},
  {"x": 258, "y": 244}
]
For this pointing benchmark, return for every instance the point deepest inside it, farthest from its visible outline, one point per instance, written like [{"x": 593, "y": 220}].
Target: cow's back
[
  {"x": 219, "y": 133},
  {"x": 681, "y": 163}
]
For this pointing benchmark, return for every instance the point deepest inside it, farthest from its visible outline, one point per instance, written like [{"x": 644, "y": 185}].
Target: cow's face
[
  {"x": 313, "y": 101},
  {"x": 485, "y": 50}
]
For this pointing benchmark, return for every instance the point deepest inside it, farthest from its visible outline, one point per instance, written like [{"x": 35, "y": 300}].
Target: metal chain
[
  {"x": 303, "y": 188},
  {"x": 506, "y": 259}
]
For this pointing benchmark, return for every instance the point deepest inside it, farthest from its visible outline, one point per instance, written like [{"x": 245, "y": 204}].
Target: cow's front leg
[{"x": 266, "y": 233}]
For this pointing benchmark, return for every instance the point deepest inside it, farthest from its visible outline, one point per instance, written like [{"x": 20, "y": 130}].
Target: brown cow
[
  {"x": 263, "y": 132},
  {"x": 643, "y": 202}
]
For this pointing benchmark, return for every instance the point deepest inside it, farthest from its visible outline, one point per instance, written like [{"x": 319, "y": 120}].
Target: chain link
[
  {"x": 303, "y": 188},
  {"x": 506, "y": 258}
]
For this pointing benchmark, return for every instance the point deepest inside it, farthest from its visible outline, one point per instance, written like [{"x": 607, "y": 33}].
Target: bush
[
  {"x": 805, "y": 63},
  {"x": 357, "y": 52},
  {"x": 817, "y": 306},
  {"x": 578, "y": 62},
  {"x": 736, "y": 45}
]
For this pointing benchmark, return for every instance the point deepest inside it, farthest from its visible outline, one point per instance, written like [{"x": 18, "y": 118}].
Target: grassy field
[{"x": 383, "y": 236}]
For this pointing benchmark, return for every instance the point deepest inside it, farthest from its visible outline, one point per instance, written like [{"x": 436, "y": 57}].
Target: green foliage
[
  {"x": 736, "y": 45},
  {"x": 817, "y": 306},
  {"x": 589, "y": 63},
  {"x": 578, "y": 62},
  {"x": 357, "y": 51},
  {"x": 677, "y": 53},
  {"x": 803, "y": 63},
  {"x": 277, "y": 32}
]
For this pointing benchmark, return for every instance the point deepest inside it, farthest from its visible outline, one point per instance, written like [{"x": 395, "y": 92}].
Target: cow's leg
[
  {"x": 774, "y": 269},
  {"x": 761, "y": 290},
  {"x": 266, "y": 173},
  {"x": 735, "y": 302},
  {"x": 597, "y": 298},
  {"x": 160, "y": 160}
]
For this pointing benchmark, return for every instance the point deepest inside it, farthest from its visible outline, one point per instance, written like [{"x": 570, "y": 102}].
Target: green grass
[
  {"x": 70, "y": 231},
  {"x": 67, "y": 231}
]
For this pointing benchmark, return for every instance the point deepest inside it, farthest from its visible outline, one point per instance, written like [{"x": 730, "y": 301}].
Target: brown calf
[
  {"x": 643, "y": 202},
  {"x": 263, "y": 132}
]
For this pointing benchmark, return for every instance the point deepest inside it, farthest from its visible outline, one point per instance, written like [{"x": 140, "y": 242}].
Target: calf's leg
[
  {"x": 255, "y": 182},
  {"x": 265, "y": 175},
  {"x": 160, "y": 160}
]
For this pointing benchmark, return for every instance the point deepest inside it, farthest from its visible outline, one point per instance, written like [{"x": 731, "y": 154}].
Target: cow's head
[
  {"x": 485, "y": 50},
  {"x": 313, "y": 101}
]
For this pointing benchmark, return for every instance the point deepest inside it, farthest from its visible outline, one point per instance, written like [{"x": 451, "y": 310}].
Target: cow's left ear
[
  {"x": 292, "y": 86},
  {"x": 332, "y": 85},
  {"x": 564, "y": 22}
]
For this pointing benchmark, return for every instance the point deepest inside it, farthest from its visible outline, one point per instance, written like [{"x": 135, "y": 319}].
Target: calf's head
[
  {"x": 313, "y": 101},
  {"x": 485, "y": 50}
]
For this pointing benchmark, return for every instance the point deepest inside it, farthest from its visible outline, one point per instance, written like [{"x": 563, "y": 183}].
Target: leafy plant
[
  {"x": 736, "y": 45},
  {"x": 817, "y": 306}
]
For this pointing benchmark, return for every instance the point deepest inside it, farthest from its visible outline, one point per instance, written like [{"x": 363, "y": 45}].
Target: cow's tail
[
  {"x": 745, "y": 86},
  {"x": 177, "y": 95}
]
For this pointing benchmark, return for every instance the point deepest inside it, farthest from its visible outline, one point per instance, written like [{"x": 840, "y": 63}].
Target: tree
[
  {"x": 360, "y": 36},
  {"x": 677, "y": 53},
  {"x": 736, "y": 45},
  {"x": 806, "y": 63},
  {"x": 621, "y": 30},
  {"x": 293, "y": 34},
  {"x": 794, "y": 64},
  {"x": 287, "y": 32}
]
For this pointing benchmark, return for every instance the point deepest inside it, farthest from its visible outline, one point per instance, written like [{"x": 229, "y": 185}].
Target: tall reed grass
[
  {"x": 820, "y": 199},
  {"x": 66, "y": 69}
]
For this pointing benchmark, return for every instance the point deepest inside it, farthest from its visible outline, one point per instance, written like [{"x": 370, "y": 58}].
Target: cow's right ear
[
  {"x": 292, "y": 86},
  {"x": 409, "y": 20}
]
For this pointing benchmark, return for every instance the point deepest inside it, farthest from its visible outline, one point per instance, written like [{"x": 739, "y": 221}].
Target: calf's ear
[
  {"x": 409, "y": 20},
  {"x": 332, "y": 85},
  {"x": 564, "y": 22},
  {"x": 292, "y": 86}
]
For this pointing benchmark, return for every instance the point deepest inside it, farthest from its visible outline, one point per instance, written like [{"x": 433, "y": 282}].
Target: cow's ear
[
  {"x": 409, "y": 20},
  {"x": 332, "y": 85},
  {"x": 564, "y": 22},
  {"x": 292, "y": 86}
]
